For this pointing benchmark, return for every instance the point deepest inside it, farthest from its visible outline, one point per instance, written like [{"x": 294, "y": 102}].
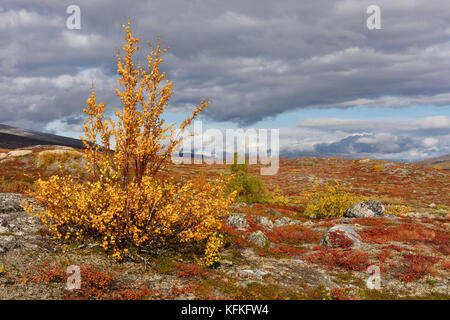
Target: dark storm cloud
[{"x": 253, "y": 59}]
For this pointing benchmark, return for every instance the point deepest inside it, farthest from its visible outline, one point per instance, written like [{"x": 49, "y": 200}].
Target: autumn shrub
[
  {"x": 250, "y": 189},
  {"x": 382, "y": 256},
  {"x": 50, "y": 157},
  {"x": 46, "y": 272},
  {"x": 372, "y": 221},
  {"x": 398, "y": 209},
  {"x": 337, "y": 258},
  {"x": 293, "y": 234},
  {"x": 124, "y": 201},
  {"x": 417, "y": 266},
  {"x": 14, "y": 186},
  {"x": 446, "y": 265},
  {"x": 346, "y": 259},
  {"x": 338, "y": 239},
  {"x": 331, "y": 200},
  {"x": 378, "y": 168},
  {"x": 338, "y": 294},
  {"x": 286, "y": 250},
  {"x": 407, "y": 232},
  {"x": 189, "y": 270},
  {"x": 276, "y": 197}
]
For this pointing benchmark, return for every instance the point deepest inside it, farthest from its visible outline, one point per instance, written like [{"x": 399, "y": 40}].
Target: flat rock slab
[{"x": 17, "y": 227}]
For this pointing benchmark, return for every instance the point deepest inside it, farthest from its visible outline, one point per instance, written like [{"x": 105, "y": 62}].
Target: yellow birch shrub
[
  {"x": 398, "y": 209},
  {"x": 124, "y": 201},
  {"x": 330, "y": 200}
]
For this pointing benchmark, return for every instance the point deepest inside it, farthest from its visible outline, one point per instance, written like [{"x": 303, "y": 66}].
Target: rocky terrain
[
  {"x": 273, "y": 251},
  {"x": 270, "y": 255}
]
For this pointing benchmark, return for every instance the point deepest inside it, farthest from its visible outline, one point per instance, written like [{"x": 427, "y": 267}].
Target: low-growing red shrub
[
  {"x": 338, "y": 239},
  {"x": 338, "y": 294},
  {"x": 382, "y": 256},
  {"x": 290, "y": 251},
  {"x": 189, "y": 270},
  {"x": 370, "y": 221},
  {"x": 45, "y": 272},
  {"x": 417, "y": 266},
  {"x": 446, "y": 265},
  {"x": 294, "y": 235},
  {"x": 408, "y": 232},
  {"x": 338, "y": 258}
]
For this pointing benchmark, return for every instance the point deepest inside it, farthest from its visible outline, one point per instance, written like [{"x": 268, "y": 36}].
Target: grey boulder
[
  {"x": 263, "y": 222},
  {"x": 345, "y": 232},
  {"x": 365, "y": 209},
  {"x": 7, "y": 243},
  {"x": 258, "y": 238},
  {"x": 238, "y": 221},
  {"x": 285, "y": 221}
]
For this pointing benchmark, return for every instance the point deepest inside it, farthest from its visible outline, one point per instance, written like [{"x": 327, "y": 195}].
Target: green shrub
[{"x": 250, "y": 189}]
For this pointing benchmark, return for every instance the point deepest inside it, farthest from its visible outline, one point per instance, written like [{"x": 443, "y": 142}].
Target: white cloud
[
  {"x": 430, "y": 142},
  {"x": 436, "y": 123},
  {"x": 14, "y": 19},
  {"x": 76, "y": 40}
]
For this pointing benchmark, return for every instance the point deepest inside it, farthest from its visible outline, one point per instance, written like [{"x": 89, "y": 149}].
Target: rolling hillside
[
  {"x": 13, "y": 138},
  {"x": 442, "y": 161}
]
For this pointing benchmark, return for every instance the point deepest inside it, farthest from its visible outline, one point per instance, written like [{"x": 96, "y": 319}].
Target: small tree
[
  {"x": 123, "y": 201},
  {"x": 249, "y": 188}
]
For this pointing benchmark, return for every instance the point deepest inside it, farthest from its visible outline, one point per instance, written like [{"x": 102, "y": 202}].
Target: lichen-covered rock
[
  {"x": 365, "y": 209},
  {"x": 341, "y": 236},
  {"x": 7, "y": 243},
  {"x": 19, "y": 153},
  {"x": 255, "y": 274},
  {"x": 258, "y": 238},
  {"x": 226, "y": 263},
  {"x": 237, "y": 220},
  {"x": 17, "y": 228},
  {"x": 9, "y": 206},
  {"x": 285, "y": 221},
  {"x": 263, "y": 222}
]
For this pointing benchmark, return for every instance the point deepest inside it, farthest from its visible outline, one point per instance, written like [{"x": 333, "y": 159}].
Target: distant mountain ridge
[
  {"x": 13, "y": 138},
  {"x": 441, "y": 162},
  {"x": 437, "y": 160}
]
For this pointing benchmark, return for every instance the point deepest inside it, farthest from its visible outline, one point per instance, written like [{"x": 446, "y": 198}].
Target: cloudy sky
[{"x": 313, "y": 69}]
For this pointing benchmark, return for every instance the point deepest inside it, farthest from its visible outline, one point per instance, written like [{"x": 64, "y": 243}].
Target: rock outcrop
[
  {"x": 341, "y": 236},
  {"x": 258, "y": 238},
  {"x": 365, "y": 209}
]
